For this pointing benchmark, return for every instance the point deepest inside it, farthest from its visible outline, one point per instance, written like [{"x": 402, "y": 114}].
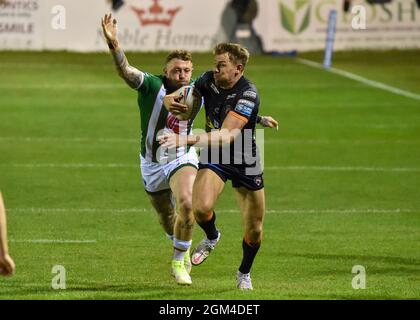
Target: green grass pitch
[{"x": 342, "y": 179}]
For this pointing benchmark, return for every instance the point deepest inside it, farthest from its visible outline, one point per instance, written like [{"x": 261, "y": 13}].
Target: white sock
[{"x": 180, "y": 247}]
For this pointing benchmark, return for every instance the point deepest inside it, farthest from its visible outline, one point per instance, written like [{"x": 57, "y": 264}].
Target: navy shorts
[{"x": 236, "y": 175}]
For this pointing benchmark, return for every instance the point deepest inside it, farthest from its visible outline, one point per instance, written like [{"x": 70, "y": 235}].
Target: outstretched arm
[
  {"x": 132, "y": 76},
  {"x": 7, "y": 266},
  {"x": 268, "y": 122}
]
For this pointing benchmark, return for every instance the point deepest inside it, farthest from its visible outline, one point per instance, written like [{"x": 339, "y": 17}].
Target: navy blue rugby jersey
[{"x": 243, "y": 100}]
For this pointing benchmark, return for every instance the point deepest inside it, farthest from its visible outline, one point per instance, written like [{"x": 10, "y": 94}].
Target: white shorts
[{"x": 156, "y": 176}]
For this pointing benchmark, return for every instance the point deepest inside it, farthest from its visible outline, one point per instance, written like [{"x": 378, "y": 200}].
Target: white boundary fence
[{"x": 160, "y": 25}]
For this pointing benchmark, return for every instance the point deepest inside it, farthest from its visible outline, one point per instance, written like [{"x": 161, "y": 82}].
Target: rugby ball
[{"x": 189, "y": 96}]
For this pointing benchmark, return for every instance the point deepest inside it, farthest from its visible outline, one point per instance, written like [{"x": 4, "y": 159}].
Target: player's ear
[{"x": 240, "y": 68}]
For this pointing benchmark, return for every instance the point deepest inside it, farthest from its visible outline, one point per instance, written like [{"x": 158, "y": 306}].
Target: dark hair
[
  {"x": 237, "y": 53},
  {"x": 179, "y": 54}
]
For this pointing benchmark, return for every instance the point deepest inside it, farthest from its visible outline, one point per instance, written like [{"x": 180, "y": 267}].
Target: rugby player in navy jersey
[
  {"x": 164, "y": 181},
  {"x": 231, "y": 102}
]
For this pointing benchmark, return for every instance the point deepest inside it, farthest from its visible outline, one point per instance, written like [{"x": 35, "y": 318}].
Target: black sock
[
  {"x": 210, "y": 228},
  {"x": 249, "y": 253}
]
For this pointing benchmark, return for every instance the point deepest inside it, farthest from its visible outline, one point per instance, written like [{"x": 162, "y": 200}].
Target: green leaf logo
[{"x": 297, "y": 20}]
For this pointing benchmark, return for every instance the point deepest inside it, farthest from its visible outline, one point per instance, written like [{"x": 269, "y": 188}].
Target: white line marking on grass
[
  {"x": 58, "y": 241},
  {"x": 282, "y": 211},
  {"x": 80, "y": 210},
  {"x": 341, "y": 141},
  {"x": 50, "y": 66},
  {"x": 341, "y": 211},
  {"x": 110, "y": 67},
  {"x": 53, "y": 241},
  {"x": 358, "y": 78},
  {"x": 283, "y": 168},
  {"x": 61, "y": 140},
  {"x": 330, "y": 168},
  {"x": 266, "y": 141},
  {"x": 70, "y": 165},
  {"x": 49, "y": 86}
]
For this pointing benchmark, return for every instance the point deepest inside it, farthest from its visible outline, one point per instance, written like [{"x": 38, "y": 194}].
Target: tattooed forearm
[{"x": 132, "y": 76}]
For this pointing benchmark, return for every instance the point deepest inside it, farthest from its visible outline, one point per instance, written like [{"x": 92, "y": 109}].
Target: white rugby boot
[
  {"x": 243, "y": 281},
  {"x": 202, "y": 251}
]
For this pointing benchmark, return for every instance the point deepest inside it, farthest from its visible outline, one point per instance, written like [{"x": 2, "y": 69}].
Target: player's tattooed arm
[{"x": 131, "y": 75}]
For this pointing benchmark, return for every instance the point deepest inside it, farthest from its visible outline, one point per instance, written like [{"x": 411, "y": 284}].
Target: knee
[
  {"x": 202, "y": 209},
  {"x": 185, "y": 204},
  {"x": 254, "y": 234}
]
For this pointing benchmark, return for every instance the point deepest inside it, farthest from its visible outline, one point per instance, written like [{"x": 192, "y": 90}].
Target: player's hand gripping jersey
[{"x": 155, "y": 119}]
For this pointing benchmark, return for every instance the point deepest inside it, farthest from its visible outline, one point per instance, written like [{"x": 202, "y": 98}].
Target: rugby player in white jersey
[{"x": 164, "y": 179}]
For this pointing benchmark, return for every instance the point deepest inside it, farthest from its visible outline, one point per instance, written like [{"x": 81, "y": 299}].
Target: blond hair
[
  {"x": 183, "y": 55},
  {"x": 237, "y": 53}
]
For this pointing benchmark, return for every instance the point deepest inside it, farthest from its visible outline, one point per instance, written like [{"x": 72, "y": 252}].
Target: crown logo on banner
[{"x": 156, "y": 14}]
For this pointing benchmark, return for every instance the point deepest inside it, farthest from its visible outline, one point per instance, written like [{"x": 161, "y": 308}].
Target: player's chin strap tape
[{"x": 259, "y": 119}]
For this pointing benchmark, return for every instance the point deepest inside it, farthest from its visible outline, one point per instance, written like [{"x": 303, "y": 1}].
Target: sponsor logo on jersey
[
  {"x": 231, "y": 96},
  {"x": 216, "y": 124},
  {"x": 214, "y": 88},
  {"x": 244, "y": 109},
  {"x": 175, "y": 124},
  {"x": 246, "y": 103},
  {"x": 250, "y": 94},
  {"x": 212, "y": 123}
]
